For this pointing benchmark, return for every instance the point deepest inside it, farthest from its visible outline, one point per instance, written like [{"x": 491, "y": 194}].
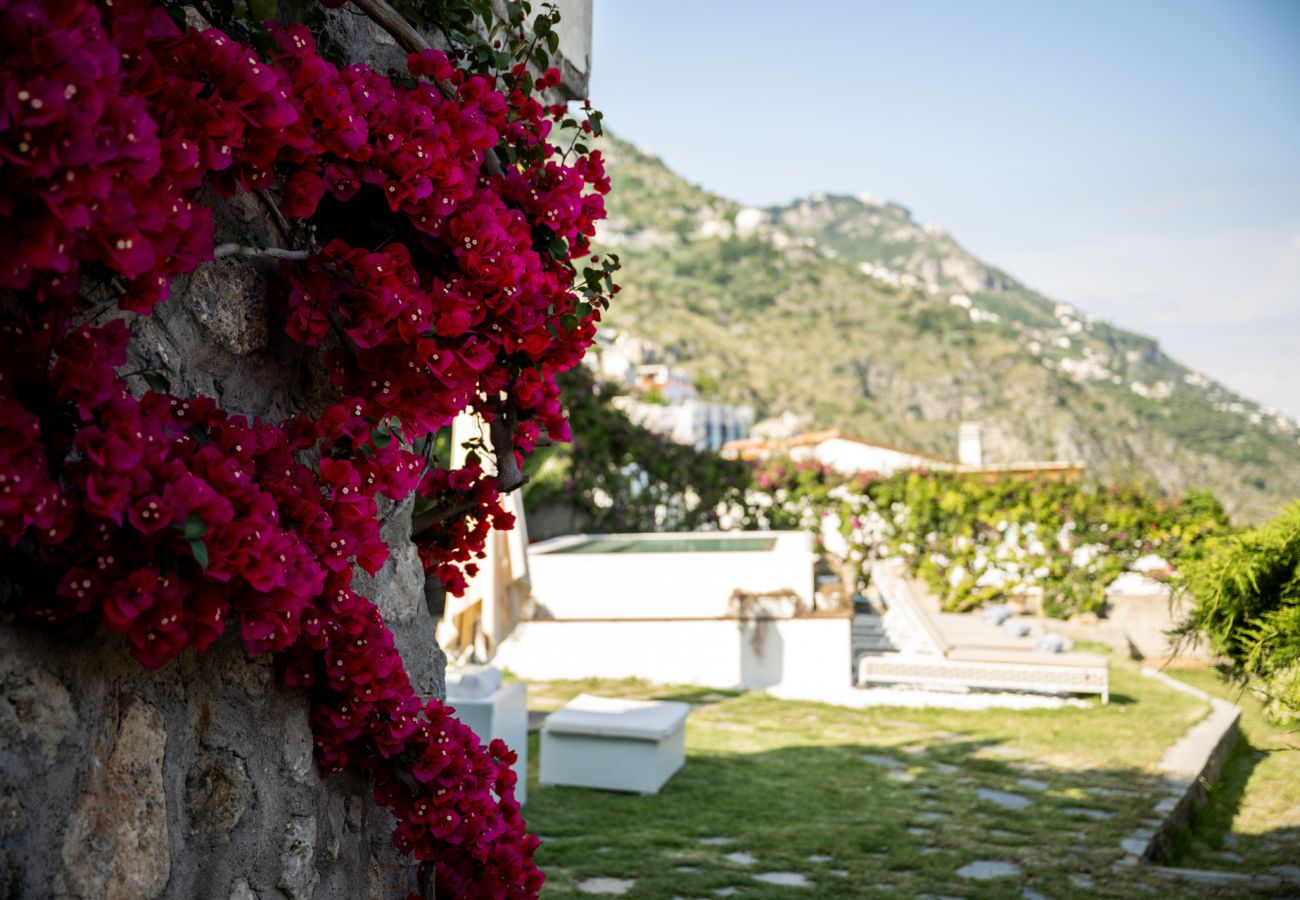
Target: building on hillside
[
  {"x": 839, "y": 451},
  {"x": 670, "y": 384},
  {"x": 851, "y": 455},
  {"x": 786, "y": 425},
  {"x": 695, "y": 423},
  {"x": 617, "y": 356},
  {"x": 663, "y": 398}
]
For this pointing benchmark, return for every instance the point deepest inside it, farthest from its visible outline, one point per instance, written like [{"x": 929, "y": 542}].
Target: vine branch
[{"x": 223, "y": 250}]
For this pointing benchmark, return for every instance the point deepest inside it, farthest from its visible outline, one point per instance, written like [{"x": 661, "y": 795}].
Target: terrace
[{"x": 781, "y": 799}]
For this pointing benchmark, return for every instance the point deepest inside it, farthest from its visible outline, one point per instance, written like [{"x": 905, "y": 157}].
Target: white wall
[
  {"x": 688, "y": 585},
  {"x": 851, "y": 457},
  {"x": 804, "y": 656}
]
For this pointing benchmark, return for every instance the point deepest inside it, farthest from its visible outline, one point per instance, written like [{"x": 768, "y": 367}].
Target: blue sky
[{"x": 1140, "y": 160}]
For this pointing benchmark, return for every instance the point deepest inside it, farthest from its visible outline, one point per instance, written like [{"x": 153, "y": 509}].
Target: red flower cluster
[
  {"x": 448, "y": 287},
  {"x": 449, "y": 555}
]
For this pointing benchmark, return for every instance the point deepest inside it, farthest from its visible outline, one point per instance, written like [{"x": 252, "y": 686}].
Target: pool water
[{"x": 670, "y": 545}]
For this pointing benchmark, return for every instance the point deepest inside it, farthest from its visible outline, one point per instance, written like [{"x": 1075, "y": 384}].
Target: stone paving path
[{"x": 978, "y": 823}]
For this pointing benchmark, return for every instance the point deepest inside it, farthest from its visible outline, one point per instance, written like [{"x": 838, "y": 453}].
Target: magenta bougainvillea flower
[{"x": 166, "y": 518}]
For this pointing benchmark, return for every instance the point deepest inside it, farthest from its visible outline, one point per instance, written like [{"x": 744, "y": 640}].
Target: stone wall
[{"x": 197, "y": 781}]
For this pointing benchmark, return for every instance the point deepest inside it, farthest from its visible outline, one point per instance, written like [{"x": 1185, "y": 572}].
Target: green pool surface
[{"x": 670, "y": 545}]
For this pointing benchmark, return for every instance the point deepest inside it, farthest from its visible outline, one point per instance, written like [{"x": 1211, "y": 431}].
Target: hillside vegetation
[{"x": 845, "y": 310}]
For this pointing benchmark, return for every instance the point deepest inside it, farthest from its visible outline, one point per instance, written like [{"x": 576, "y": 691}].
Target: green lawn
[
  {"x": 1252, "y": 821},
  {"x": 786, "y": 783}
]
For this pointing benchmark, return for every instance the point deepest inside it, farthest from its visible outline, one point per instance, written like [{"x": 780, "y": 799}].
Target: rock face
[
  {"x": 193, "y": 781},
  {"x": 198, "y": 780},
  {"x": 116, "y": 842}
]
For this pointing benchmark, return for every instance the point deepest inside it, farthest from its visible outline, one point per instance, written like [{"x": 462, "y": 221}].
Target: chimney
[{"x": 970, "y": 447}]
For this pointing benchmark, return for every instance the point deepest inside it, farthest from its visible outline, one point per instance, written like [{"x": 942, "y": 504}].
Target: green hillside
[{"x": 846, "y": 310}]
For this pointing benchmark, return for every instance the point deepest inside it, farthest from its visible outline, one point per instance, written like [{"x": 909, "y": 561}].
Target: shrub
[{"x": 1247, "y": 591}]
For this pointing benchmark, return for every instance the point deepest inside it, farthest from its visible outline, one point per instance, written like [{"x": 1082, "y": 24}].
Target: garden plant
[{"x": 436, "y": 259}]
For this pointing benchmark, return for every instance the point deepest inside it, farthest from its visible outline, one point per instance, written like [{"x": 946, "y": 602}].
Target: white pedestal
[
  {"x": 616, "y": 745},
  {"x": 503, "y": 714}
]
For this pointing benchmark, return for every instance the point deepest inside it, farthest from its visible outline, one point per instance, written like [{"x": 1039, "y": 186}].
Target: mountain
[{"x": 846, "y": 310}]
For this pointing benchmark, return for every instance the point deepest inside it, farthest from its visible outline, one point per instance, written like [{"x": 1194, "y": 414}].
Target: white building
[
  {"x": 847, "y": 455},
  {"x": 671, "y": 384},
  {"x": 696, "y": 423},
  {"x": 851, "y": 455}
]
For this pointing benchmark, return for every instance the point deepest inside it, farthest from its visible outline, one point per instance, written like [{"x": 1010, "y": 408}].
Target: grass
[
  {"x": 786, "y": 781},
  {"x": 1252, "y": 821}
]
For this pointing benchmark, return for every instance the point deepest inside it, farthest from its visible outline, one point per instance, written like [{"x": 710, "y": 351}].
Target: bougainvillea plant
[{"x": 441, "y": 264}]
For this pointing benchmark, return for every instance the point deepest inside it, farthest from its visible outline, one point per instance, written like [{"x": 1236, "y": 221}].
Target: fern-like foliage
[{"x": 1247, "y": 590}]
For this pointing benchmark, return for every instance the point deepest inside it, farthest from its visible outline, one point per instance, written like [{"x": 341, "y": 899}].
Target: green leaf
[
  {"x": 541, "y": 26},
  {"x": 553, "y": 42},
  {"x": 200, "y": 551},
  {"x": 194, "y": 527},
  {"x": 380, "y": 436},
  {"x": 157, "y": 382},
  {"x": 264, "y": 9}
]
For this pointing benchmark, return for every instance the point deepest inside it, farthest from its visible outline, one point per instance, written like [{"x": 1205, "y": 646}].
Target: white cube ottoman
[
  {"x": 617, "y": 745},
  {"x": 493, "y": 710}
]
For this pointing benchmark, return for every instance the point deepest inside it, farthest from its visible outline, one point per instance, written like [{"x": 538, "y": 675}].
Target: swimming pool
[{"x": 669, "y": 543}]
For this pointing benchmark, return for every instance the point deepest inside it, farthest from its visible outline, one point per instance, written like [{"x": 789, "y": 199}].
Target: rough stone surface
[
  {"x": 197, "y": 780},
  {"x": 983, "y": 870},
  {"x": 116, "y": 842},
  {"x": 298, "y": 875},
  {"x": 242, "y": 890},
  {"x": 784, "y": 879},
  {"x": 12, "y": 817},
  {"x": 250, "y": 675},
  {"x": 615, "y": 886},
  {"x": 34, "y": 705},
  {"x": 218, "y": 792},
  {"x": 1004, "y": 799}
]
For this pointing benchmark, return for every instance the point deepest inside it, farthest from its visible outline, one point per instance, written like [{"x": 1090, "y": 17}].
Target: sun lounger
[{"x": 930, "y": 659}]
